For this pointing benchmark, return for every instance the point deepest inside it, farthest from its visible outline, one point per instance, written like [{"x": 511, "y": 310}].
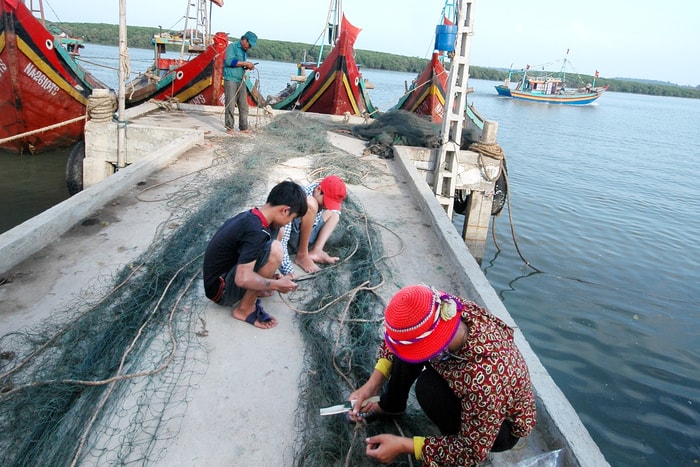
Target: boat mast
[
  {"x": 121, "y": 104},
  {"x": 523, "y": 80},
  {"x": 38, "y": 9},
  {"x": 562, "y": 73},
  {"x": 333, "y": 21}
]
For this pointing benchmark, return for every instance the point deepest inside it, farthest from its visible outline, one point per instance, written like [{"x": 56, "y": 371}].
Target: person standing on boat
[
  {"x": 235, "y": 66},
  {"x": 471, "y": 380}
]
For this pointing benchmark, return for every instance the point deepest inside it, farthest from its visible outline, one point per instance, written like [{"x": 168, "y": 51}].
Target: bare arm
[{"x": 247, "y": 278}]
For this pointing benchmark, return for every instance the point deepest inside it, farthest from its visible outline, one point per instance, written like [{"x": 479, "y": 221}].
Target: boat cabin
[
  {"x": 544, "y": 85},
  {"x": 163, "y": 65}
]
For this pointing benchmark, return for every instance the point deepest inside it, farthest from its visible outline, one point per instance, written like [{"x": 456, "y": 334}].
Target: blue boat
[{"x": 550, "y": 89}]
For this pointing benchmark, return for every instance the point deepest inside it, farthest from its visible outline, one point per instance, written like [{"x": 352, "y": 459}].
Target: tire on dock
[{"x": 74, "y": 168}]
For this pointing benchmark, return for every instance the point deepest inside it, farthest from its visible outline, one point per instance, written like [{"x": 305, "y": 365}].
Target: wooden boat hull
[
  {"x": 427, "y": 94},
  {"x": 567, "y": 99},
  {"x": 40, "y": 84},
  {"x": 195, "y": 81},
  {"x": 336, "y": 87},
  {"x": 503, "y": 90},
  {"x": 547, "y": 88}
]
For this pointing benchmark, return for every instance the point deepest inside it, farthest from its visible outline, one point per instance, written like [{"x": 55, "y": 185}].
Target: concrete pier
[{"x": 52, "y": 258}]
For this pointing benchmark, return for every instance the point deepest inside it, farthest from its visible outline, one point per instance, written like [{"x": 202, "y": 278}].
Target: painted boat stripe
[
  {"x": 194, "y": 89},
  {"x": 319, "y": 93},
  {"x": 50, "y": 72},
  {"x": 351, "y": 96}
]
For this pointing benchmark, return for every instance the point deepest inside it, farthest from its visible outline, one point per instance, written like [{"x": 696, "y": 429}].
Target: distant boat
[
  {"x": 41, "y": 85},
  {"x": 71, "y": 44},
  {"x": 336, "y": 87},
  {"x": 550, "y": 88},
  {"x": 195, "y": 75}
]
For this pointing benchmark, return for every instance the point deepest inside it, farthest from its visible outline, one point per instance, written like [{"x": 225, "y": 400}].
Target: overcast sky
[{"x": 619, "y": 38}]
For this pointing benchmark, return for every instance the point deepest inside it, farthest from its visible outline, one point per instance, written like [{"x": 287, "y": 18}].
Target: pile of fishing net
[{"x": 397, "y": 127}]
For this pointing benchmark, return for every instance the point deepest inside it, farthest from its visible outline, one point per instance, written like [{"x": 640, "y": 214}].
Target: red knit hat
[{"x": 420, "y": 322}]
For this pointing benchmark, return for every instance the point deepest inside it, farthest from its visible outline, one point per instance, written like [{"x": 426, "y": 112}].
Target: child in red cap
[{"x": 308, "y": 235}]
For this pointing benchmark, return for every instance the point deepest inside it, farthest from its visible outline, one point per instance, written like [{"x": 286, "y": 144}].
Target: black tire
[{"x": 74, "y": 168}]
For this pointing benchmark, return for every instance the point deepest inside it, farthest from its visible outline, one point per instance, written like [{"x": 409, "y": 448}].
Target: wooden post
[
  {"x": 476, "y": 222},
  {"x": 121, "y": 105}
]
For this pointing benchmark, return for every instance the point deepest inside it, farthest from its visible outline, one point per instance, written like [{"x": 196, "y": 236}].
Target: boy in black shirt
[{"x": 242, "y": 258}]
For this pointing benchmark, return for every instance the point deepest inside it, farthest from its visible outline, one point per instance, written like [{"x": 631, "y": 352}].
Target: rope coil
[
  {"x": 101, "y": 105},
  {"x": 493, "y": 151}
]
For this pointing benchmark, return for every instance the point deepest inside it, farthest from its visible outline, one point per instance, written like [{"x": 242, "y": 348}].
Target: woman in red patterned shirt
[{"x": 471, "y": 380}]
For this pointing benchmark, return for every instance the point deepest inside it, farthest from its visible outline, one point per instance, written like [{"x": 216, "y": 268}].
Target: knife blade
[{"x": 345, "y": 407}]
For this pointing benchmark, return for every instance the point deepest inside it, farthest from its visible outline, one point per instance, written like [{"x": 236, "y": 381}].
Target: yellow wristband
[
  {"x": 418, "y": 442},
  {"x": 384, "y": 367}
]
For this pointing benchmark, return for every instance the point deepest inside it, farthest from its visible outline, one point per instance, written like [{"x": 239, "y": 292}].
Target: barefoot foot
[
  {"x": 307, "y": 264},
  {"x": 322, "y": 257}
]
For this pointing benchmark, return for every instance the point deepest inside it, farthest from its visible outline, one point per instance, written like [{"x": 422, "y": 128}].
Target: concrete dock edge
[{"x": 21, "y": 242}]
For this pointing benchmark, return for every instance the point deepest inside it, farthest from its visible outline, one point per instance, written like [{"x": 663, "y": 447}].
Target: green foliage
[
  {"x": 108, "y": 34},
  {"x": 140, "y": 37}
]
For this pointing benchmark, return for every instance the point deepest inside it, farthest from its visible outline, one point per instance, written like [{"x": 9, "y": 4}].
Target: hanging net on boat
[{"x": 103, "y": 382}]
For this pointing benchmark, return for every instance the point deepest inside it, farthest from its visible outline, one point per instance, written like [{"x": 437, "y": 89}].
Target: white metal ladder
[
  {"x": 197, "y": 35},
  {"x": 447, "y": 163}
]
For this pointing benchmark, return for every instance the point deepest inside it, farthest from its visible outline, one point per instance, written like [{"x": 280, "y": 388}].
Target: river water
[{"x": 604, "y": 201}]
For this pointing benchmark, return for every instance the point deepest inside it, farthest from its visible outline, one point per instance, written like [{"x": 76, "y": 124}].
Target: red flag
[
  {"x": 350, "y": 30},
  {"x": 447, "y": 22},
  {"x": 218, "y": 2},
  {"x": 596, "y": 73}
]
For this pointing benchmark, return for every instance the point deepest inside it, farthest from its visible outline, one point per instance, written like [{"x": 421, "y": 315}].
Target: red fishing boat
[
  {"x": 43, "y": 91},
  {"x": 426, "y": 95},
  {"x": 336, "y": 87},
  {"x": 196, "y": 78},
  {"x": 195, "y": 75}
]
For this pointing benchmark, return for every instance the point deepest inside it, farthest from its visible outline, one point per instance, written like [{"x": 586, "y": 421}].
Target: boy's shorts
[
  {"x": 232, "y": 294},
  {"x": 294, "y": 234}
]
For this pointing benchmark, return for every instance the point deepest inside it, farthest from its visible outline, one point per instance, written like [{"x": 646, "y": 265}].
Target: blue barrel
[{"x": 445, "y": 37}]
